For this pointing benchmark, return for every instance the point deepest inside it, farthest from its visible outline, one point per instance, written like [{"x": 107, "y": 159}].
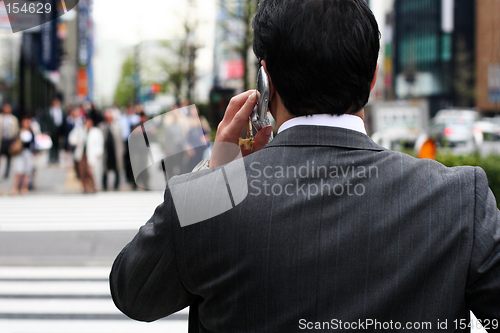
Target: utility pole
[
  {"x": 191, "y": 75},
  {"x": 137, "y": 76}
]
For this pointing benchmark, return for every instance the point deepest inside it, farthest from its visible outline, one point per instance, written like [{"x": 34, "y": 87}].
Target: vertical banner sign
[
  {"x": 84, "y": 50},
  {"x": 82, "y": 84},
  {"x": 49, "y": 57},
  {"x": 90, "y": 50}
]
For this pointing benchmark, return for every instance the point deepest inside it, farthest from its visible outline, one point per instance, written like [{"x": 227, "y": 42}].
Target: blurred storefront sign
[
  {"x": 418, "y": 84},
  {"x": 82, "y": 83},
  {"x": 234, "y": 69},
  {"x": 85, "y": 50}
]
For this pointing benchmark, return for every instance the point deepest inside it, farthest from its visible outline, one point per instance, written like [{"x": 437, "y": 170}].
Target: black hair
[
  {"x": 88, "y": 117},
  {"x": 321, "y": 54}
]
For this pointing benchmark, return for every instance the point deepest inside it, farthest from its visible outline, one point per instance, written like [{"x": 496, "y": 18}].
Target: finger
[
  {"x": 262, "y": 138},
  {"x": 240, "y": 119},
  {"x": 235, "y": 105}
]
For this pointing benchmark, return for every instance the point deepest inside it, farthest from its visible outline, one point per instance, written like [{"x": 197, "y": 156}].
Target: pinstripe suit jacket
[{"x": 378, "y": 236}]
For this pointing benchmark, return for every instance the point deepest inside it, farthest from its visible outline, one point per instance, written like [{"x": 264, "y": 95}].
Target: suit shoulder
[{"x": 435, "y": 167}]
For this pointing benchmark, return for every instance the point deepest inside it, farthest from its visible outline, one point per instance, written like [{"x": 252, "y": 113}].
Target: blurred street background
[{"x": 69, "y": 203}]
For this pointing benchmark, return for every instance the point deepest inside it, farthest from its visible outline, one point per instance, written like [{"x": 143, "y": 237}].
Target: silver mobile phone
[{"x": 259, "y": 116}]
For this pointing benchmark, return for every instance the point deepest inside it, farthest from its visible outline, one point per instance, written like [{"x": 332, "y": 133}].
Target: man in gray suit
[{"x": 336, "y": 233}]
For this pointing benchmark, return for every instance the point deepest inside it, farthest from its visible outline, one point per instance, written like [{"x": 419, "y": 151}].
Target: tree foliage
[
  {"x": 179, "y": 68},
  {"x": 490, "y": 164},
  {"x": 125, "y": 90}
]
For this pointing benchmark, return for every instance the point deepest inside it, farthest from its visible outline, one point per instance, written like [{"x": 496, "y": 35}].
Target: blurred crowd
[{"x": 97, "y": 144}]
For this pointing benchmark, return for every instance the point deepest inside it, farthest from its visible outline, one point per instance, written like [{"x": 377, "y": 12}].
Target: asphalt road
[{"x": 56, "y": 251}]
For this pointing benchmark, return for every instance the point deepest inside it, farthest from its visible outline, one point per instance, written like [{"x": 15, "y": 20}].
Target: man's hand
[{"x": 234, "y": 122}]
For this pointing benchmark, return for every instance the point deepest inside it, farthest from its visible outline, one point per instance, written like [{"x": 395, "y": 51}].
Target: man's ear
[
  {"x": 271, "y": 86},
  {"x": 374, "y": 78}
]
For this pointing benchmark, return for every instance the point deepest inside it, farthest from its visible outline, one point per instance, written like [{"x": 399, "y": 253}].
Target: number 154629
[{"x": 28, "y": 8}]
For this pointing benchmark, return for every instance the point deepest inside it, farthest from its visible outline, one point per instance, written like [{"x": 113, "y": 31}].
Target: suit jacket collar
[{"x": 324, "y": 136}]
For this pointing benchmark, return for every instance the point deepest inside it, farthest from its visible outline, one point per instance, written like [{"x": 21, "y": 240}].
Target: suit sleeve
[
  {"x": 483, "y": 286},
  {"x": 144, "y": 280}
]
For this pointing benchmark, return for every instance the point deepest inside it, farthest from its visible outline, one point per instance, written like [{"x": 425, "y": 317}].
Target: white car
[
  {"x": 487, "y": 134},
  {"x": 454, "y": 130}
]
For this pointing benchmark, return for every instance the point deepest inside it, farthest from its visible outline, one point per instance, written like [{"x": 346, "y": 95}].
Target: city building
[
  {"x": 488, "y": 56},
  {"x": 434, "y": 52}
]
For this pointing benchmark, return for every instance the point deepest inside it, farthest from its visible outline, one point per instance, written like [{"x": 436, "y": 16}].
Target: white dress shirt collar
[{"x": 346, "y": 121}]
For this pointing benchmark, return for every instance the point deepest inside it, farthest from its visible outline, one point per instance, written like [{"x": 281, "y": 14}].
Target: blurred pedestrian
[
  {"x": 73, "y": 120},
  {"x": 139, "y": 109},
  {"x": 184, "y": 107},
  {"x": 9, "y": 128},
  {"x": 140, "y": 158},
  {"x": 116, "y": 111},
  {"x": 95, "y": 115},
  {"x": 175, "y": 142},
  {"x": 56, "y": 125},
  {"x": 113, "y": 149},
  {"x": 89, "y": 146},
  {"x": 23, "y": 162},
  {"x": 36, "y": 129},
  {"x": 196, "y": 137},
  {"x": 128, "y": 120}
]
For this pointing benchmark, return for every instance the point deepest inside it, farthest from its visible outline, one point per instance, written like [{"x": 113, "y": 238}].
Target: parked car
[
  {"x": 487, "y": 133},
  {"x": 454, "y": 130}
]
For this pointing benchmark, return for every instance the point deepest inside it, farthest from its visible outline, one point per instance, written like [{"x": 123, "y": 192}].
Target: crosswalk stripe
[
  {"x": 93, "y": 326},
  {"x": 58, "y": 306},
  {"x": 57, "y": 288},
  {"x": 102, "y": 211},
  {"x": 60, "y": 294},
  {"x": 78, "y": 316},
  {"x": 59, "y": 272}
]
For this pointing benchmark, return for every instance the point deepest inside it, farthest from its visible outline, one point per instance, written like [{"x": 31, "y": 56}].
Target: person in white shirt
[
  {"x": 89, "y": 148},
  {"x": 23, "y": 163}
]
